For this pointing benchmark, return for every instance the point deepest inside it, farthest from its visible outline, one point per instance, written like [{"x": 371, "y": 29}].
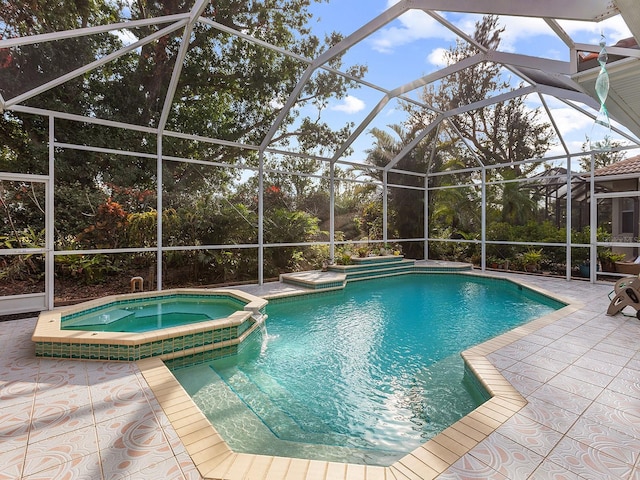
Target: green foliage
[
  {"x": 532, "y": 231},
  {"x": 457, "y": 208},
  {"x": 284, "y": 226},
  {"x": 87, "y": 269},
  {"x": 343, "y": 258},
  {"x": 141, "y": 228},
  {"x": 405, "y": 206},
  {"x": 231, "y": 264},
  {"x": 532, "y": 258},
  {"x": 369, "y": 220},
  {"x": 608, "y": 258},
  {"x": 27, "y": 238},
  {"x": 517, "y": 204},
  {"x": 22, "y": 267},
  {"x": 502, "y": 133},
  {"x": 454, "y": 251},
  {"x": 76, "y": 207},
  {"x": 23, "y": 148},
  {"x": 22, "y": 205}
]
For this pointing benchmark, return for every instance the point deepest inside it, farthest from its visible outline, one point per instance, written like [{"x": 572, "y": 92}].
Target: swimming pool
[{"x": 363, "y": 375}]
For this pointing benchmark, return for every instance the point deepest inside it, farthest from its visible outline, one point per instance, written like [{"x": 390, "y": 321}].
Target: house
[{"x": 617, "y": 178}]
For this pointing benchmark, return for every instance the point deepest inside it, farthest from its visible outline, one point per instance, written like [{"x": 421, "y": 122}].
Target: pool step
[
  {"x": 337, "y": 276},
  {"x": 95, "y": 319},
  {"x": 371, "y": 263},
  {"x": 315, "y": 280},
  {"x": 284, "y": 415},
  {"x": 247, "y": 431},
  {"x": 406, "y": 267},
  {"x": 367, "y": 268}
]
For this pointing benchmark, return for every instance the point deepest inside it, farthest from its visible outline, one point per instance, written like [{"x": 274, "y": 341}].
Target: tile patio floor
[{"x": 100, "y": 420}]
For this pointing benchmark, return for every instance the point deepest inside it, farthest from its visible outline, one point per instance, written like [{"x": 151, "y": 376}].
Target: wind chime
[{"x": 600, "y": 137}]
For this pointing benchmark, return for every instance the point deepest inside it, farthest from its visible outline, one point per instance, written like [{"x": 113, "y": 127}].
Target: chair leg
[{"x": 626, "y": 297}]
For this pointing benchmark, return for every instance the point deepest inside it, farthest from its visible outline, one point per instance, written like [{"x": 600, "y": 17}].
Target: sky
[{"x": 413, "y": 45}]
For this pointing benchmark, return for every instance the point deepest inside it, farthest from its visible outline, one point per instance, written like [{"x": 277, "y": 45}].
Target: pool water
[
  {"x": 153, "y": 313},
  {"x": 363, "y": 375}
]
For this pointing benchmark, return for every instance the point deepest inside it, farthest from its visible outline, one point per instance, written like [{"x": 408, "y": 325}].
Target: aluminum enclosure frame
[{"x": 574, "y": 95}]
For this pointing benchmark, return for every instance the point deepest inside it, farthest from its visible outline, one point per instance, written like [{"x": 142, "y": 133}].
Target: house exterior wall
[{"x": 621, "y": 207}]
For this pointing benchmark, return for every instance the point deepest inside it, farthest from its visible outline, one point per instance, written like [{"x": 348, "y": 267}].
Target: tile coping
[{"x": 214, "y": 459}]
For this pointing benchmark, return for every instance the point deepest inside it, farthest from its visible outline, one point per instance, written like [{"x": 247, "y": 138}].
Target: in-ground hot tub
[{"x": 90, "y": 330}]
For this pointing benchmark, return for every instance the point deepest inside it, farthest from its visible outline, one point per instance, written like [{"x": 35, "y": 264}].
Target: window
[{"x": 627, "y": 211}]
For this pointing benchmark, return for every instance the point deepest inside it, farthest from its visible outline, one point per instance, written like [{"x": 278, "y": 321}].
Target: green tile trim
[{"x": 118, "y": 352}]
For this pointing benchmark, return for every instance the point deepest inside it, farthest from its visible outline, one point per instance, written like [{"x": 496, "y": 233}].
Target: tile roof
[{"x": 628, "y": 165}]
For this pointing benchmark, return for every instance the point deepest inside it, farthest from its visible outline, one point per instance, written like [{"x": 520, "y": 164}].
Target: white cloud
[
  {"x": 573, "y": 146},
  {"x": 613, "y": 28},
  {"x": 126, "y": 36},
  {"x": 276, "y": 103},
  {"x": 519, "y": 29},
  {"x": 409, "y": 27},
  {"x": 350, "y": 104},
  {"x": 526, "y": 29},
  {"x": 570, "y": 120},
  {"x": 437, "y": 57},
  {"x": 572, "y": 124},
  {"x": 416, "y": 25}
]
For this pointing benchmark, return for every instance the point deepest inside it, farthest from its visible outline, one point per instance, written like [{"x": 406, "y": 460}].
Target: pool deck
[{"x": 571, "y": 410}]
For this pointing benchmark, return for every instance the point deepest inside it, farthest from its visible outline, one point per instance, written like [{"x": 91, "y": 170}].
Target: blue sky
[{"x": 412, "y": 46}]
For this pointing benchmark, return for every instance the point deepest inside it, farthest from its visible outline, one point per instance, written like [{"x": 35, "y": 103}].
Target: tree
[
  {"x": 500, "y": 134},
  {"x": 24, "y": 137},
  {"x": 518, "y": 205},
  {"x": 229, "y": 89},
  {"x": 406, "y": 205},
  {"x": 602, "y": 158}
]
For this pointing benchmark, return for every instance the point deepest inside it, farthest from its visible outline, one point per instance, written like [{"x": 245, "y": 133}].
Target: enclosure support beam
[
  {"x": 569, "y": 220},
  {"x": 332, "y": 213},
  {"x": 425, "y": 223},
  {"x": 93, "y": 65},
  {"x": 197, "y": 9},
  {"x": 586, "y": 10},
  {"x": 49, "y": 281},
  {"x": 159, "y": 214},
  {"x": 81, "y": 32},
  {"x": 261, "y": 217},
  {"x": 483, "y": 221},
  {"x": 385, "y": 192},
  {"x": 554, "y": 124},
  {"x": 593, "y": 224}
]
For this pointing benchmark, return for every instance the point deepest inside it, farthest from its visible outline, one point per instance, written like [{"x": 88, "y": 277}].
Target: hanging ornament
[{"x": 599, "y": 138}]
